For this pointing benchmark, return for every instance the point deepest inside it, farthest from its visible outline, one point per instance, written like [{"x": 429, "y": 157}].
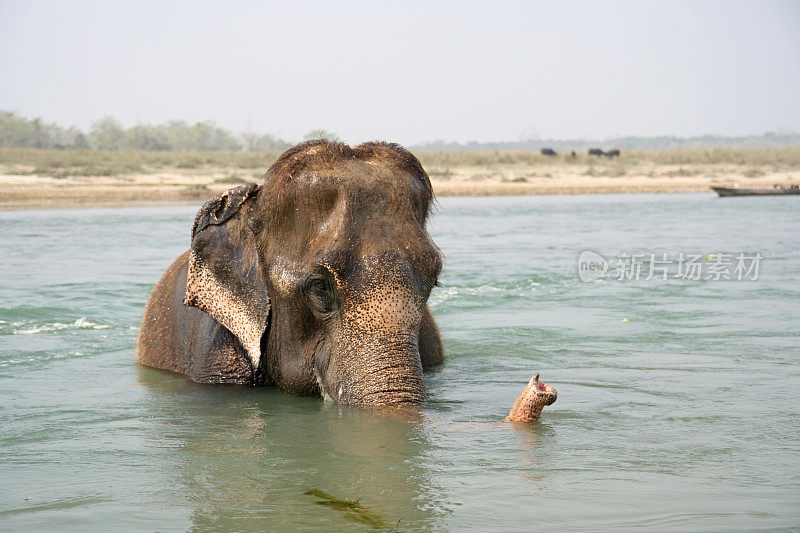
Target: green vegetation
[
  {"x": 320, "y": 134},
  {"x": 353, "y": 510},
  {"x": 768, "y": 140},
  {"x": 107, "y": 134}
]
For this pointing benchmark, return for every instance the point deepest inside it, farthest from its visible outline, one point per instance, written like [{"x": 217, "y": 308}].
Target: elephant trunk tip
[{"x": 533, "y": 399}]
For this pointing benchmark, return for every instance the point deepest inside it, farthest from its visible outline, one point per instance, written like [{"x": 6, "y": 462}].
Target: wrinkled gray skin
[{"x": 315, "y": 282}]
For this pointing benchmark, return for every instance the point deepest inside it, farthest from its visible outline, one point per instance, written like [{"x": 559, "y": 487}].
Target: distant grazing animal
[
  {"x": 612, "y": 153},
  {"x": 596, "y": 151},
  {"x": 573, "y": 155},
  {"x": 549, "y": 152}
]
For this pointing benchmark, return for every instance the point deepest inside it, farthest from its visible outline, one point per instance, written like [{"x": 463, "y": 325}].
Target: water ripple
[{"x": 35, "y": 328}]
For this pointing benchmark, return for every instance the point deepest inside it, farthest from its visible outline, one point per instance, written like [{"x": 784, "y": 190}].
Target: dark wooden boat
[{"x": 726, "y": 191}]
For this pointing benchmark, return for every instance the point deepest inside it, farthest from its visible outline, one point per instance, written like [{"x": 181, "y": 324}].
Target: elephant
[{"x": 315, "y": 281}]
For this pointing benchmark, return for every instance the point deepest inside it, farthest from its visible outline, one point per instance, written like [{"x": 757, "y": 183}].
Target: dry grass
[
  {"x": 715, "y": 156},
  {"x": 64, "y": 163}
]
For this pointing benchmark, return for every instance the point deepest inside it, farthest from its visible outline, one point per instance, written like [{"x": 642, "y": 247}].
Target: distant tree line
[
  {"x": 767, "y": 140},
  {"x": 178, "y": 135},
  {"x": 108, "y": 134}
]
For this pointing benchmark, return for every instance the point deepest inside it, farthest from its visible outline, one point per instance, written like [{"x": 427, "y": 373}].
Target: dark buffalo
[
  {"x": 596, "y": 151},
  {"x": 612, "y": 153},
  {"x": 549, "y": 152}
]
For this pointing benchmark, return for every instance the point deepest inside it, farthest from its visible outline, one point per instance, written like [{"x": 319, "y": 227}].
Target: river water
[{"x": 678, "y": 399}]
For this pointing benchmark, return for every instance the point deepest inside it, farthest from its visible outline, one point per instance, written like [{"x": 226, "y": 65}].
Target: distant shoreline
[
  {"x": 48, "y": 179},
  {"x": 29, "y": 192}
]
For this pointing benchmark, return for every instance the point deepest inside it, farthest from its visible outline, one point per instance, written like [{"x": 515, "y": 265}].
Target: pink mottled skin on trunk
[{"x": 533, "y": 399}]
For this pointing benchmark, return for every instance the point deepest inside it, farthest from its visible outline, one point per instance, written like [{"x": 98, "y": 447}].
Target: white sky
[{"x": 409, "y": 71}]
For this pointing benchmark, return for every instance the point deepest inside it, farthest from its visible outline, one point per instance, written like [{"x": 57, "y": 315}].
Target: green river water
[{"x": 678, "y": 399}]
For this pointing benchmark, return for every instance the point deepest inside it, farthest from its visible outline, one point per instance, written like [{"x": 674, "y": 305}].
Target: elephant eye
[
  {"x": 320, "y": 295},
  {"x": 318, "y": 285}
]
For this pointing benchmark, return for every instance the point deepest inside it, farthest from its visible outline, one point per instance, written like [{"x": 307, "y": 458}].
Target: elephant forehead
[
  {"x": 321, "y": 212},
  {"x": 358, "y": 183}
]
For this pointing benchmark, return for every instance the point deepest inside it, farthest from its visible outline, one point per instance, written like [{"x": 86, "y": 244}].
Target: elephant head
[{"x": 323, "y": 272}]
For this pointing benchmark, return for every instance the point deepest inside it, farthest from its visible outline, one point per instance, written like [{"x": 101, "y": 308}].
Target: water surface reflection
[{"x": 245, "y": 458}]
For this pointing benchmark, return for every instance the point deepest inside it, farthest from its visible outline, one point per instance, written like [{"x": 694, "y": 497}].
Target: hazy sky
[{"x": 409, "y": 71}]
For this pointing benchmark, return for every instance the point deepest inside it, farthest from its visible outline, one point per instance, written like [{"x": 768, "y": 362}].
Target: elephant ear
[{"x": 225, "y": 278}]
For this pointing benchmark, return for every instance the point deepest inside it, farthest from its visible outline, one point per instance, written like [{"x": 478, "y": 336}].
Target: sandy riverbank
[
  {"x": 41, "y": 192},
  {"x": 52, "y": 183}
]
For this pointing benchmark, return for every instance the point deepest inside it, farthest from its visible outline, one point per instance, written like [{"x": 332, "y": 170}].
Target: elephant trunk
[
  {"x": 374, "y": 339},
  {"x": 384, "y": 371}
]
